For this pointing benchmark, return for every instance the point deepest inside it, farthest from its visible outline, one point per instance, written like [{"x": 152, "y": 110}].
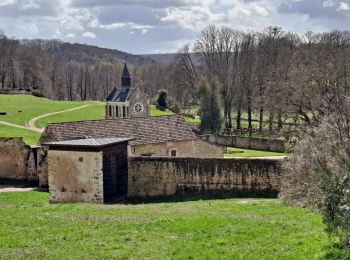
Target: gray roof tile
[{"x": 142, "y": 130}]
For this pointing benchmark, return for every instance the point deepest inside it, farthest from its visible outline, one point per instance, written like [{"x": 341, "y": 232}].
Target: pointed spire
[{"x": 126, "y": 80}]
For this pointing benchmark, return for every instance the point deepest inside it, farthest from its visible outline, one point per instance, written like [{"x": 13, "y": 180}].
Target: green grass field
[
  {"x": 29, "y": 137},
  {"x": 33, "y": 106},
  {"x": 239, "y": 152},
  {"x": 92, "y": 112},
  {"x": 31, "y": 228}
]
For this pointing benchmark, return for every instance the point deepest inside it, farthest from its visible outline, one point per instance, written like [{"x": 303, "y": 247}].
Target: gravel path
[
  {"x": 31, "y": 124},
  {"x": 14, "y": 188}
]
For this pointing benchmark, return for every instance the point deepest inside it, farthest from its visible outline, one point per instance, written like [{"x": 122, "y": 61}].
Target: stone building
[
  {"x": 127, "y": 100},
  {"x": 88, "y": 170},
  {"x": 151, "y": 136}
]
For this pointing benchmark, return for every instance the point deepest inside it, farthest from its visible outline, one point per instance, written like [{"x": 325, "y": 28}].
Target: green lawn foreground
[{"x": 31, "y": 228}]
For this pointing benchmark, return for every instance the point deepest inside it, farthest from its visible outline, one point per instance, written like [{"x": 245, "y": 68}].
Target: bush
[
  {"x": 160, "y": 107},
  {"x": 162, "y": 99},
  {"x": 209, "y": 111},
  {"x": 318, "y": 175},
  {"x": 38, "y": 93}
]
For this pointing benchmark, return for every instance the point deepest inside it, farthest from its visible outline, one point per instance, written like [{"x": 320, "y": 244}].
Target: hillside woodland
[{"x": 274, "y": 77}]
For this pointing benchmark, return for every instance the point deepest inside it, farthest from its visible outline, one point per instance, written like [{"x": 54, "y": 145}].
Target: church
[
  {"x": 127, "y": 101},
  {"x": 127, "y": 116}
]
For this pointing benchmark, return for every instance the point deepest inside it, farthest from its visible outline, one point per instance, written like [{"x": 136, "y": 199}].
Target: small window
[
  {"x": 173, "y": 153},
  {"x": 116, "y": 111},
  {"x": 124, "y": 111}
]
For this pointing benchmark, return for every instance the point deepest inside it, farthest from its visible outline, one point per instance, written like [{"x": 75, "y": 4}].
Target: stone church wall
[
  {"x": 165, "y": 176},
  {"x": 139, "y": 97}
]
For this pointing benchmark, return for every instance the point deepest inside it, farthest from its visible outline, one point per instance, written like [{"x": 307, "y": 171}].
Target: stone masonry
[
  {"x": 75, "y": 176},
  {"x": 165, "y": 176}
]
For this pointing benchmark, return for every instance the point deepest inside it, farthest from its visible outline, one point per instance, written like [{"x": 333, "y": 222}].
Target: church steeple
[{"x": 126, "y": 80}]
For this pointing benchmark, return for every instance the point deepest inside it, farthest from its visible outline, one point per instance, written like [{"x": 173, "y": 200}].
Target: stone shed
[{"x": 88, "y": 170}]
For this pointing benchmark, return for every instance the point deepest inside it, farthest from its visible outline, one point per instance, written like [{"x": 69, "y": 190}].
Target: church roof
[
  {"x": 120, "y": 94},
  {"x": 125, "y": 74},
  {"x": 142, "y": 130}
]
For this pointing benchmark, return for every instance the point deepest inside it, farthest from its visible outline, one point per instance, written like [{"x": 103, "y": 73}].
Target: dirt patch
[{"x": 15, "y": 188}]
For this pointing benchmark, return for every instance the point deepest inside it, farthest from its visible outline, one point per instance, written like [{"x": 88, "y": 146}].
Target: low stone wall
[
  {"x": 21, "y": 162},
  {"x": 263, "y": 144},
  {"x": 165, "y": 176},
  {"x": 14, "y": 91}
]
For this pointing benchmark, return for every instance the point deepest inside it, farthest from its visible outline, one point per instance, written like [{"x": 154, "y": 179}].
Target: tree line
[
  {"x": 275, "y": 76},
  {"x": 65, "y": 71}
]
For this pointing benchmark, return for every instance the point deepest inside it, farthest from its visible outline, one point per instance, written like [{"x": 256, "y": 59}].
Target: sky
[{"x": 162, "y": 26}]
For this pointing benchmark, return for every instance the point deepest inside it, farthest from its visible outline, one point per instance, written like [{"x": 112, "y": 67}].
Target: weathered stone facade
[
  {"x": 19, "y": 161},
  {"x": 169, "y": 176},
  {"x": 187, "y": 148},
  {"x": 262, "y": 144},
  {"x": 75, "y": 176}
]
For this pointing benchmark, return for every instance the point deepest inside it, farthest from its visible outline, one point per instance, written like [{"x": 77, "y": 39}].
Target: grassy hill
[
  {"x": 32, "y": 228},
  {"x": 21, "y": 109}
]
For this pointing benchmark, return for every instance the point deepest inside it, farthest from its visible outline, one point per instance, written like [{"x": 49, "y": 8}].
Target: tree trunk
[{"x": 261, "y": 119}]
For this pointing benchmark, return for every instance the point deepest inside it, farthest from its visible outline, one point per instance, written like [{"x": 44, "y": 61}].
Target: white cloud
[
  {"x": 112, "y": 26},
  {"x": 89, "y": 35},
  {"x": 343, "y": 6},
  {"x": 328, "y": 3},
  {"x": 7, "y": 2}
]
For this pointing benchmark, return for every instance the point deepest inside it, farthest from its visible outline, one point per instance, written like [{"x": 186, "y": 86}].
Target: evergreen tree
[
  {"x": 162, "y": 100},
  {"x": 210, "y": 111}
]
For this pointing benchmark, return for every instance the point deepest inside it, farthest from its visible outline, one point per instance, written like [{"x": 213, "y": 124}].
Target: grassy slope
[
  {"x": 206, "y": 229},
  {"x": 31, "y": 107},
  {"x": 239, "y": 152},
  {"x": 29, "y": 137},
  {"x": 93, "y": 112}
]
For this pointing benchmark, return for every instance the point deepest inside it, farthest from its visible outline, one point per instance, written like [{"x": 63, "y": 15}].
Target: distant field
[
  {"x": 31, "y": 106},
  {"x": 239, "y": 152},
  {"x": 92, "y": 112},
  {"x": 31, "y": 228}
]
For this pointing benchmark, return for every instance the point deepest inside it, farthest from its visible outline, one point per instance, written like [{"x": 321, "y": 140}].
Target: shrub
[
  {"x": 318, "y": 175},
  {"x": 162, "y": 99},
  {"x": 38, "y": 93}
]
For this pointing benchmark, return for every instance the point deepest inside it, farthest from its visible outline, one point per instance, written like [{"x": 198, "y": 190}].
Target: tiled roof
[
  {"x": 142, "y": 130},
  {"x": 120, "y": 94}
]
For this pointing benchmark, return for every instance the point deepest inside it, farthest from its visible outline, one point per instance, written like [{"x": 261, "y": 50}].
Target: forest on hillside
[{"x": 272, "y": 77}]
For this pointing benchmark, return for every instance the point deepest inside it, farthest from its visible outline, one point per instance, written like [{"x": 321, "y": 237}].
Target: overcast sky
[{"x": 160, "y": 26}]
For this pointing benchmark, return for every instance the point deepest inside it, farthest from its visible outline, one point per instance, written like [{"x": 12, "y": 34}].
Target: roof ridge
[{"x": 113, "y": 119}]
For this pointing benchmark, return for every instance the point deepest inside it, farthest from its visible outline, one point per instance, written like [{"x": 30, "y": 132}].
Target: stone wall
[
  {"x": 263, "y": 144},
  {"x": 165, "y": 176},
  {"x": 189, "y": 148},
  {"x": 18, "y": 161},
  {"x": 75, "y": 176}
]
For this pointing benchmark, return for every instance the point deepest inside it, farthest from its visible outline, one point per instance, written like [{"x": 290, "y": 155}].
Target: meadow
[
  {"x": 21, "y": 109},
  {"x": 231, "y": 228}
]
